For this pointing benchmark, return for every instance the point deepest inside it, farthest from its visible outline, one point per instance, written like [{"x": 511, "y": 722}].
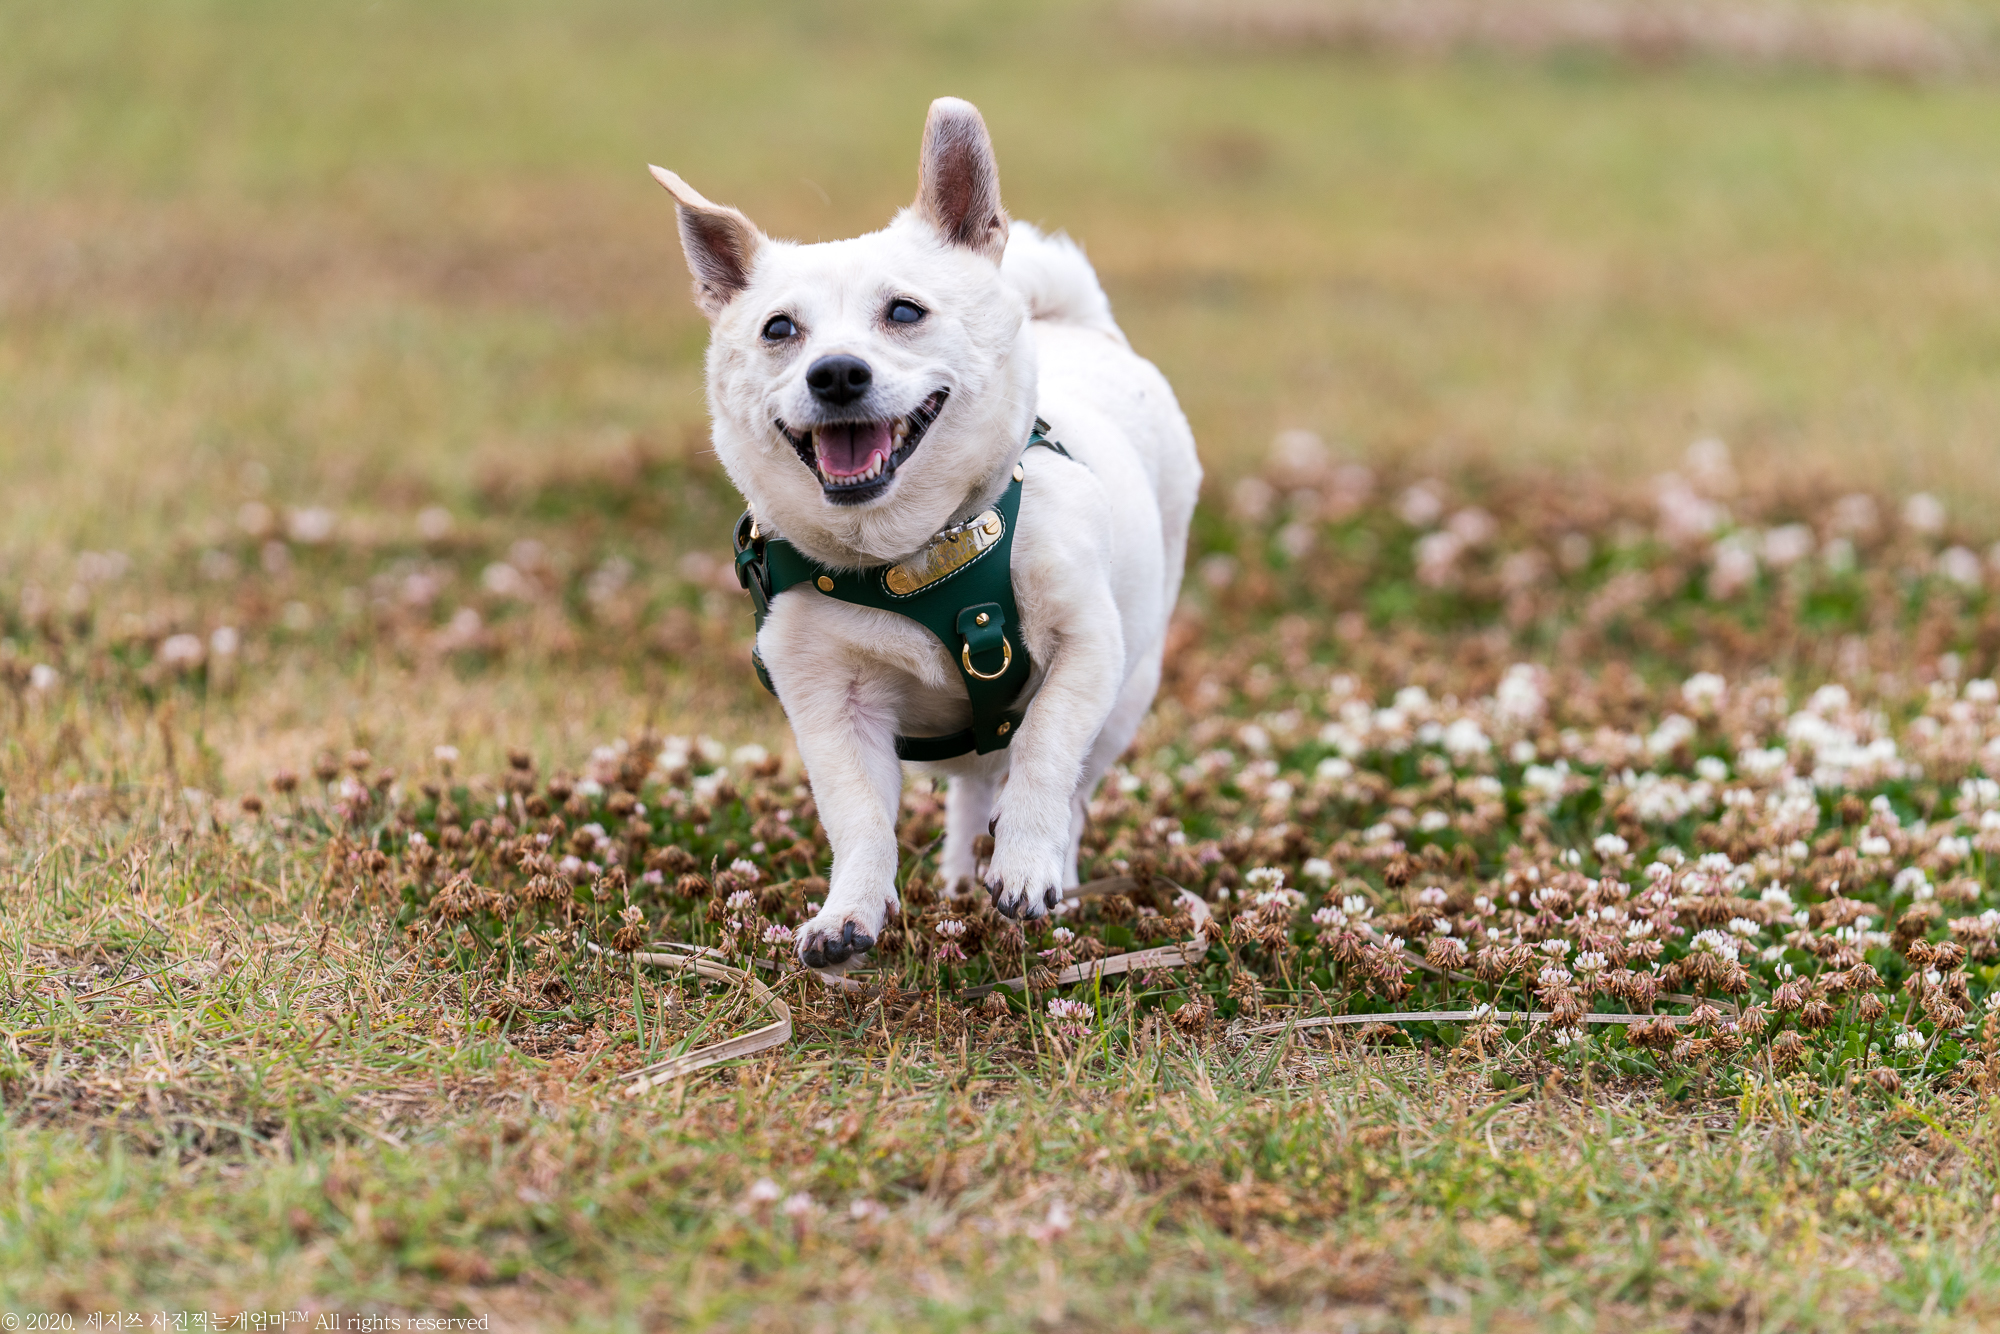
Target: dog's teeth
[{"x": 902, "y": 430}]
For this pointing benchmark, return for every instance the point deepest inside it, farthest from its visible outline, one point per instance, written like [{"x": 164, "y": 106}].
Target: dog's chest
[{"x": 886, "y": 665}]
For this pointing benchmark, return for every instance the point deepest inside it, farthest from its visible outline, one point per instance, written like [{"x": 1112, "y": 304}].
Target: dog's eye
[
  {"x": 780, "y": 328},
  {"x": 905, "y": 312}
]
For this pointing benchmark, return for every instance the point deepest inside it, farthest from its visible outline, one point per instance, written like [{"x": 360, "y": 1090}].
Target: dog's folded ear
[
  {"x": 958, "y": 182},
  {"x": 721, "y": 244}
]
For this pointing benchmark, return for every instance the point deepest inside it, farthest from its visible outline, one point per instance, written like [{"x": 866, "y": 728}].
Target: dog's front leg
[
  {"x": 968, "y": 815},
  {"x": 844, "y": 718},
  {"x": 1031, "y": 835}
]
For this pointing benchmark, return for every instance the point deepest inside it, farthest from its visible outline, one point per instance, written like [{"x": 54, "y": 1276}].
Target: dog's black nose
[{"x": 839, "y": 380}]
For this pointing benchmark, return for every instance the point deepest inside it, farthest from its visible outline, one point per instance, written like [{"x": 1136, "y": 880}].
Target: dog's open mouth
[{"x": 855, "y": 460}]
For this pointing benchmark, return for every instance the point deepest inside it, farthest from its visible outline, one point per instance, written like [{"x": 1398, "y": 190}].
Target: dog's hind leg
[
  {"x": 968, "y": 813},
  {"x": 1119, "y": 729}
]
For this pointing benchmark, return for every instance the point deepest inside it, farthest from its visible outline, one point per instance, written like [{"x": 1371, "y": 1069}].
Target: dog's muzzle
[{"x": 855, "y": 460}]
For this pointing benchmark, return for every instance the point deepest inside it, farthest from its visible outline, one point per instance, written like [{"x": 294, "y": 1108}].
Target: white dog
[{"x": 872, "y": 399}]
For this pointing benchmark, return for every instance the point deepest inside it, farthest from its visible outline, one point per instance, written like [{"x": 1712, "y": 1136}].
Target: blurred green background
[{"x": 382, "y": 255}]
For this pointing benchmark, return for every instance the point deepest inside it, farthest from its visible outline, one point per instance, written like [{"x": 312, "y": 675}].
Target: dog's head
[{"x": 866, "y": 392}]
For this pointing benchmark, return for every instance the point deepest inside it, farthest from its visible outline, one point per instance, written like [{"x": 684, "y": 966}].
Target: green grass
[{"x": 380, "y": 257}]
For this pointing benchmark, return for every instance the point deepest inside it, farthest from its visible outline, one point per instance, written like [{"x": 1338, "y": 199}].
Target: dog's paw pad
[
  {"x": 835, "y": 942},
  {"x": 1025, "y": 897}
]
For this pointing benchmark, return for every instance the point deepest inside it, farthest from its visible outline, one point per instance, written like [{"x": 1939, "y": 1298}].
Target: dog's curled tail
[{"x": 1054, "y": 275}]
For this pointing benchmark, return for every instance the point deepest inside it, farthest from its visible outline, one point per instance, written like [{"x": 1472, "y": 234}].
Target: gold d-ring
[{"x": 1006, "y": 661}]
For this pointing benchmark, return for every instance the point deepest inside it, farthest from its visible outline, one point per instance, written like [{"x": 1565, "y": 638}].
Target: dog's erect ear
[
  {"x": 958, "y": 187},
  {"x": 720, "y": 243}
]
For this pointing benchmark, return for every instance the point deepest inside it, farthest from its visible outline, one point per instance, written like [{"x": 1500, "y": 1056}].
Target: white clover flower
[
  {"x": 1394, "y": 944},
  {"x": 777, "y": 935},
  {"x": 1704, "y": 690},
  {"x": 1993, "y": 1002},
  {"x": 798, "y": 1205},
  {"x": 1590, "y": 961},
  {"x": 1715, "y": 942},
  {"x": 1484, "y": 906},
  {"x": 1610, "y": 845},
  {"x": 1432, "y": 897},
  {"x": 1565, "y": 1037},
  {"x": 1063, "y": 935},
  {"x": 1074, "y": 1016},
  {"x": 1555, "y": 949},
  {"x": 1440, "y": 926},
  {"x": 1554, "y": 975},
  {"x": 1744, "y": 927},
  {"x": 1264, "y": 877},
  {"x": 1356, "y": 906},
  {"x": 951, "y": 928},
  {"x": 1909, "y": 1039},
  {"x": 1962, "y": 566},
  {"x": 1873, "y": 845},
  {"x": 182, "y": 652},
  {"x": 1463, "y": 739},
  {"x": 764, "y": 1191},
  {"x": 748, "y": 870},
  {"x": 1484, "y": 1008},
  {"x": 1778, "y": 896},
  {"x": 1318, "y": 870},
  {"x": 1924, "y": 512},
  {"x": 741, "y": 901},
  {"x": 1772, "y": 953},
  {"x": 1330, "y": 917}
]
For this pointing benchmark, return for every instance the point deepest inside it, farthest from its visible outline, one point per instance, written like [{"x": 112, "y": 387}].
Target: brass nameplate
[{"x": 945, "y": 555}]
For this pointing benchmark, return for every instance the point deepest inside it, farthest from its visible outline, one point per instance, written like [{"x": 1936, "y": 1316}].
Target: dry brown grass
[{"x": 1895, "y": 40}]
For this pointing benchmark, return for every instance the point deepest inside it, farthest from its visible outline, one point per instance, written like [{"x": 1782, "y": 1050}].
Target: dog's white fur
[{"x": 1017, "y": 325}]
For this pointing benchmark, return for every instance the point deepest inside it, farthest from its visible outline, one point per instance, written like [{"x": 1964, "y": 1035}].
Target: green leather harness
[{"x": 964, "y": 596}]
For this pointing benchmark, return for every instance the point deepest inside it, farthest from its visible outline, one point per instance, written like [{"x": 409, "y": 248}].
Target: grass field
[{"x": 350, "y": 410}]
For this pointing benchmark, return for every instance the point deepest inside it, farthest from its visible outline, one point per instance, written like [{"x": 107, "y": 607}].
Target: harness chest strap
[{"x": 960, "y": 588}]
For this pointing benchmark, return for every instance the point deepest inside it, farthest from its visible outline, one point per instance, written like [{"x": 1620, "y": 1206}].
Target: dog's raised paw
[
  {"x": 1025, "y": 889},
  {"x": 835, "y": 941}
]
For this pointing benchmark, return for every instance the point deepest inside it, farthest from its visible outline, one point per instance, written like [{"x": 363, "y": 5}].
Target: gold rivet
[
  {"x": 981, "y": 619},
  {"x": 993, "y": 528},
  {"x": 1019, "y": 472},
  {"x": 754, "y": 533},
  {"x": 825, "y": 584},
  {"x": 1004, "y": 728}
]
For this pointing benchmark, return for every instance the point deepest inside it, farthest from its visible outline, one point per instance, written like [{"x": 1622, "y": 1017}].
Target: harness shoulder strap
[{"x": 963, "y": 594}]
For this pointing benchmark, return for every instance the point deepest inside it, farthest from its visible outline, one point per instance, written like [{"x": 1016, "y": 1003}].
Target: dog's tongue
[{"x": 849, "y": 449}]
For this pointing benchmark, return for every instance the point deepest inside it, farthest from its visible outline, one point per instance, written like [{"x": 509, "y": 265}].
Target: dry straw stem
[
  {"x": 774, "y": 1034},
  {"x": 1163, "y": 956}
]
